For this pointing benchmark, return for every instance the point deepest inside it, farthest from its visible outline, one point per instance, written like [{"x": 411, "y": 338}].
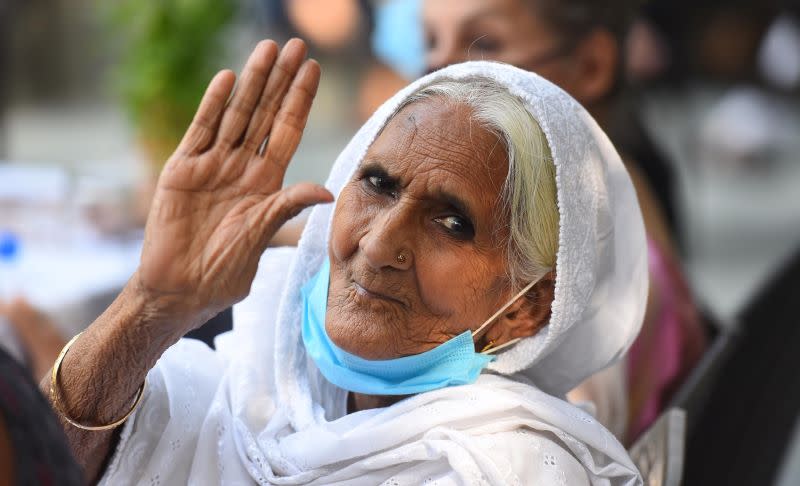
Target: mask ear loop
[{"x": 497, "y": 314}]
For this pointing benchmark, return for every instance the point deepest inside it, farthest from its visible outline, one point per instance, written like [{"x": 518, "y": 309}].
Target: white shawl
[{"x": 258, "y": 411}]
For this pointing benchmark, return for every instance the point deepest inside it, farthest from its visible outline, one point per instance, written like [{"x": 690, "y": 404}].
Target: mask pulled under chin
[{"x": 454, "y": 362}]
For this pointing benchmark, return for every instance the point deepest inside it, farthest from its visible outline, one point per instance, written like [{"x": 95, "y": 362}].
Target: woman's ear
[
  {"x": 596, "y": 61},
  {"x": 526, "y": 316}
]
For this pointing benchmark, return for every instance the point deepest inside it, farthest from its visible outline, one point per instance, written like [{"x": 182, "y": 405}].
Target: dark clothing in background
[
  {"x": 630, "y": 136},
  {"x": 40, "y": 452}
]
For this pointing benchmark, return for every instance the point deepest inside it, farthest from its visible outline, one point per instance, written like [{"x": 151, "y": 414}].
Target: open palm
[{"x": 219, "y": 199}]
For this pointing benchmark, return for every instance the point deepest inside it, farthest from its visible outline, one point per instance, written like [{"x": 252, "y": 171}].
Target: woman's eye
[
  {"x": 457, "y": 226},
  {"x": 381, "y": 184},
  {"x": 378, "y": 182}
]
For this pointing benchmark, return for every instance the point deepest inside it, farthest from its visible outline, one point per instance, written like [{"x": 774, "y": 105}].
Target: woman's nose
[{"x": 387, "y": 242}]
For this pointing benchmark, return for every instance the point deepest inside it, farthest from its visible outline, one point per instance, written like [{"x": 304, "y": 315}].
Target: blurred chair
[
  {"x": 693, "y": 394},
  {"x": 744, "y": 419},
  {"x": 658, "y": 453}
]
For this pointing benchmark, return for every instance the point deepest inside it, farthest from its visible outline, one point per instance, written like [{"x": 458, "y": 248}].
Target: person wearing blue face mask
[
  {"x": 485, "y": 253},
  {"x": 454, "y": 362}
]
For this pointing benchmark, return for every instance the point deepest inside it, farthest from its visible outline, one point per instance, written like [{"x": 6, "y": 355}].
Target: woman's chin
[{"x": 361, "y": 334}]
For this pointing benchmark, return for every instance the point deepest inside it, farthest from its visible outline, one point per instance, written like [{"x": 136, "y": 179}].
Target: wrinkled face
[
  {"x": 429, "y": 187},
  {"x": 494, "y": 30}
]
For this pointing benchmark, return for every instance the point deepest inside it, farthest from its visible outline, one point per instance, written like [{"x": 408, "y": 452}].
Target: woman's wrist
[
  {"x": 104, "y": 368},
  {"x": 163, "y": 315},
  {"x": 102, "y": 371}
]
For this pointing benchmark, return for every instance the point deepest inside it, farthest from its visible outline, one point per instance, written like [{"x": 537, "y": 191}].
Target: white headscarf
[
  {"x": 261, "y": 409},
  {"x": 601, "y": 266}
]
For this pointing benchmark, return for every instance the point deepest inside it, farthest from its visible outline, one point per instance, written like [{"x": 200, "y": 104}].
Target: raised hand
[{"x": 219, "y": 199}]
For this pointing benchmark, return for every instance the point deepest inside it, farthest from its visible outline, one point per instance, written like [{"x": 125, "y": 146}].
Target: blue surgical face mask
[{"x": 454, "y": 362}]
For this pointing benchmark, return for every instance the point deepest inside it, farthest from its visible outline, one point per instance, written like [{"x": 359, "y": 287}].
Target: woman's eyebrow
[{"x": 375, "y": 167}]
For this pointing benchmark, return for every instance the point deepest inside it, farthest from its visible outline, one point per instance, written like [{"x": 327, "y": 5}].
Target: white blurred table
[
  {"x": 64, "y": 266},
  {"x": 73, "y": 284}
]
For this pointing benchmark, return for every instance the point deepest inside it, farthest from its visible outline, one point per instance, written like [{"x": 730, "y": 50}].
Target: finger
[
  {"x": 286, "y": 204},
  {"x": 202, "y": 130},
  {"x": 248, "y": 91},
  {"x": 284, "y": 71},
  {"x": 290, "y": 121}
]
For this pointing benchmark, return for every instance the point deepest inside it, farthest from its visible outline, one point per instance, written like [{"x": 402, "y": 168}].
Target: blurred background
[{"x": 95, "y": 95}]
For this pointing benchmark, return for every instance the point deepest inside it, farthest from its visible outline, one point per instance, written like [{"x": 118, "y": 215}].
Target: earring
[{"x": 400, "y": 258}]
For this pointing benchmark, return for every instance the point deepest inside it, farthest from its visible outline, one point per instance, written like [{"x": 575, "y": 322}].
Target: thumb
[{"x": 288, "y": 202}]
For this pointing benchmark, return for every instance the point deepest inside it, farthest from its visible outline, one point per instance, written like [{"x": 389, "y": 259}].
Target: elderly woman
[
  {"x": 485, "y": 254},
  {"x": 578, "y": 45}
]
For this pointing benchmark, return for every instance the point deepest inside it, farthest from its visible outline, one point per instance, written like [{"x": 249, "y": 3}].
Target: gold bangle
[{"x": 60, "y": 410}]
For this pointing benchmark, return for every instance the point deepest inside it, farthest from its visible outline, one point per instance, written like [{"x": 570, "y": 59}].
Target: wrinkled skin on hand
[
  {"x": 219, "y": 199},
  {"x": 217, "y": 203}
]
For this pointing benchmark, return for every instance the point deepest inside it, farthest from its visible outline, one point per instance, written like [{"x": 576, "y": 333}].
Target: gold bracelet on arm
[{"x": 57, "y": 405}]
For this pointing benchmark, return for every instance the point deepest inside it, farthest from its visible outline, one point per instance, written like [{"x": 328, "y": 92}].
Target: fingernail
[{"x": 296, "y": 43}]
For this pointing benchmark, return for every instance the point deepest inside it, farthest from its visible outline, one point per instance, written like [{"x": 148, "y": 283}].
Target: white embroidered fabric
[{"x": 257, "y": 411}]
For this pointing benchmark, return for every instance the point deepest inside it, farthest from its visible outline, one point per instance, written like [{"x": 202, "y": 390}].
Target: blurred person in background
[{"x": 578, "y": 44}]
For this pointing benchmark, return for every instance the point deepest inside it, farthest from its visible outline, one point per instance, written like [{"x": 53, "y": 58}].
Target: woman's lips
[{"x": 371, "y": 294}]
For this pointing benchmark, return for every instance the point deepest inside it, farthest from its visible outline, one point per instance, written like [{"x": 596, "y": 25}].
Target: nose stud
[{"x": 400, "y": 258}]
